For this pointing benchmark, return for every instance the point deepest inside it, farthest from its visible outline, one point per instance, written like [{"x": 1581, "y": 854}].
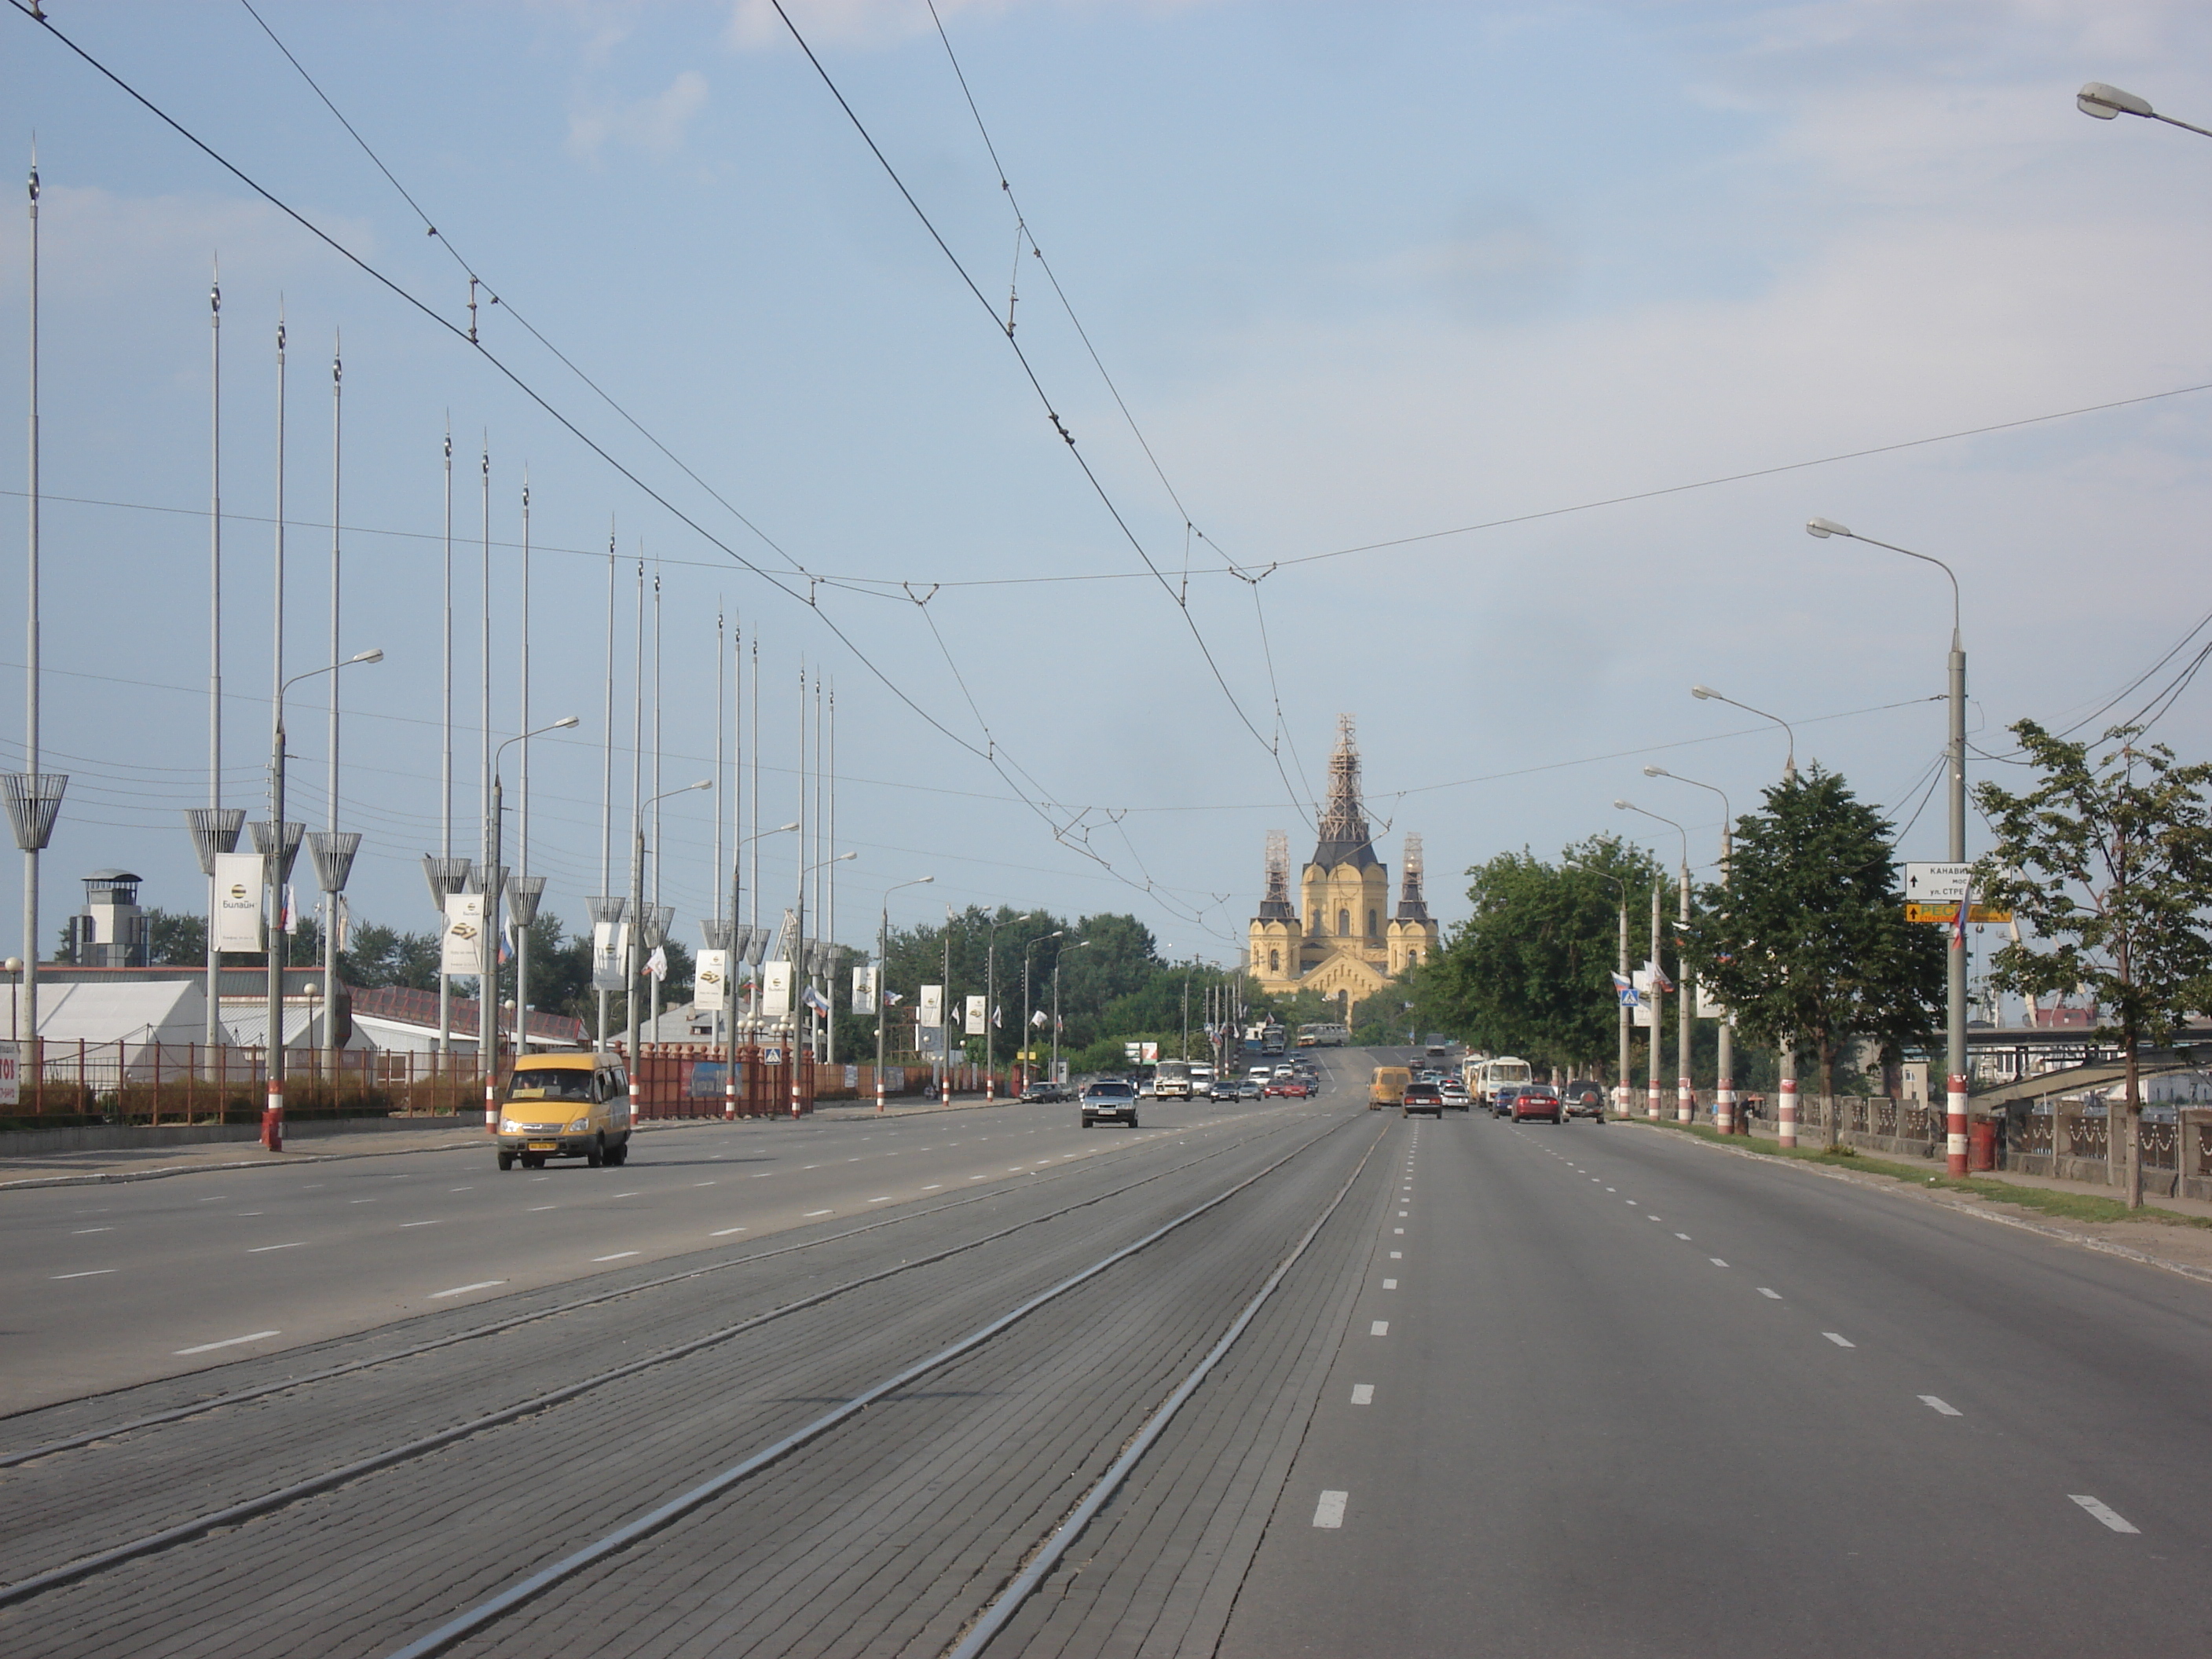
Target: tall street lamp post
[
  {"x": 1724, "y": 1065},
  {"x": 883, "y": 949},
  {"x": 799, "y": 966},
  {"x": 1028, "y": 1033},
  {"x": 729, "y": 987},
  {"x": 1706, "y": 693},
  {"x": 487, "y": 982},
  {"x": 1955, "y": 1036},
  {"x": 991, "y": 1005},
  {"x": 1621, "y": 1073},
  {"x": 632, "y": 962},
  {"x": 1686, "y": 1097},
  {"x": 1056, "y": 955},
  {"x": 272, "y": 1111}
]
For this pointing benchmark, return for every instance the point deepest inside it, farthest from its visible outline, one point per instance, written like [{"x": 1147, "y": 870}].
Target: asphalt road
[
  {"x": 1624, "y": 1394},
  {"x": 109, "y": 1285}
]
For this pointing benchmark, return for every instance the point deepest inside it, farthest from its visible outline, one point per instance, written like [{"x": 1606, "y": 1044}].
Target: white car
[{"x": 1108, "y": 1097}]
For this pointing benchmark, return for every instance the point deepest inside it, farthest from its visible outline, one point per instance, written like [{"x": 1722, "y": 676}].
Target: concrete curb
[{"x": 1901, "y": 1189}]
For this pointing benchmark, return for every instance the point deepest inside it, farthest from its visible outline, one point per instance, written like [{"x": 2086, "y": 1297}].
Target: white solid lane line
[
  {"x": 1363, "y": 1394},
  {"x": 463, "y": 1290},
  {"x": 1942, "y": 1406},
  {"x": 2104, "y": 1512},
  {"x": 260, "y": 1249},
  {"x": 1380, "y": 1327},
  {"x": 227, "y": 1342},
  {"x": 90, "y": 1273},
  {"x": 1329, "y": 1512},
  {"x": 1841, "y": 1342}
]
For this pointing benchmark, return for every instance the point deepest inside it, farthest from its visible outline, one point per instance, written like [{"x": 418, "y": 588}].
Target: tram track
[{"x": 276, "y": 1498}]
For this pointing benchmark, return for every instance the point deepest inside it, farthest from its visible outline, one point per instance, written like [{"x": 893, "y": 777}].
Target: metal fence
[{"x": 159, "y": 1082}]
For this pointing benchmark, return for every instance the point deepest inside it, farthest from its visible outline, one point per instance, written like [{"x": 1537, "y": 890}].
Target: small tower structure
[{"x": 1412, "y": 936}]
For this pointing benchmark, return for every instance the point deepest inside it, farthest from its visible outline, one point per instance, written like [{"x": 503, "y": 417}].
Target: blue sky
[{"x": 1359, "y": 273}]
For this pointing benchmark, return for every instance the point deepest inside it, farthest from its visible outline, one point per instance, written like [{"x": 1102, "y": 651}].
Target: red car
[
  {"x": 1536, "y": 1101},
  {"x": 1291, "y": 1088}
]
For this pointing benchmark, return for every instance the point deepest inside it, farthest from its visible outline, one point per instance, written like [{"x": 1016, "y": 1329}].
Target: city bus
[
  {"x": 1483, "y": 1075},
  {"x": 1171, "y": 1080}
]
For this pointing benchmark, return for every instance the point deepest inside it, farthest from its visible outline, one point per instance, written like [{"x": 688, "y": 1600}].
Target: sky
[{"x": 1468, "y": 369}]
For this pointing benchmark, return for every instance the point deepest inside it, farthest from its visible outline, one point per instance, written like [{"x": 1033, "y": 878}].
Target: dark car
[
  {"x": 1044, "y": 1092},
  {"x": 1584, "y": 1098},
  {"x": 1422, "y": 1097},
  {"x": 1501, "y": 1098},
  {"x": 1536, "y": 1101}
]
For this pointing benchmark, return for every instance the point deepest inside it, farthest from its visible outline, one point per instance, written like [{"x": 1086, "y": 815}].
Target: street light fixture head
[
  {"x": 1824, "y": 528},
  {"x": 1656, "y": 772},
  {"x": 565, "y": 722},
  {"x": 1624, "y": 807},
  {"x": 842, "y": 858},
  {"x": 1702, "y": 692},
  {"x": 786, "y": 829},
  {"x": 704, "y": 783},
  {"x": 374, "y": 653},
  {"x": 919, "y": 880},
  {"x": 2105, "y": 102}
]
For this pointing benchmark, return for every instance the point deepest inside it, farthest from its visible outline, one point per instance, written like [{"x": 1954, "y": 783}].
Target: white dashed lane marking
[
  {"x": 1363, "y": 1394},
  {"x": 227, "y": 1342},
  {"x": 1773, "y": 1295},
  {"x": 1841, "y": 1342},
  {"x": 1942, "y": 1406},
  {"x": 463, "y": 1290},
  {"x": 1717, "y": 1262},
  {"x": 2103, "y": 1511},
  {"x": 1329, "y": 1512},
  {"x": 90, "y": 1273},
  {"x": 1380, "y": 1327}
]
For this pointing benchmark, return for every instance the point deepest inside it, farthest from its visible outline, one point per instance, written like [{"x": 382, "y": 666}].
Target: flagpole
[
  {"x": 215, "y": 639},
  {"x": 330, "y": 895}
]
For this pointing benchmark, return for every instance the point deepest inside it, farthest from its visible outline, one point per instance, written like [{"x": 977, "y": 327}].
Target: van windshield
[{"x": 549, "y": 1083}]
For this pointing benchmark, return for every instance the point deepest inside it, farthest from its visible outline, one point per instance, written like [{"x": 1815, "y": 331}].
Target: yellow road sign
[{"x": 1946, "y": 912}]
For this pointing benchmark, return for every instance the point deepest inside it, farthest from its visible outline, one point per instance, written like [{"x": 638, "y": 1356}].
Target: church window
[
  {"x": 1343, "y": 921},
  {"x": 1274, "y": 961},
  {"x": 1371, "y": 924}
]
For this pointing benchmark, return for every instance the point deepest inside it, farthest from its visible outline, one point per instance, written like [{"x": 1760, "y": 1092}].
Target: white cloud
[{"x": 655, "y": 124}]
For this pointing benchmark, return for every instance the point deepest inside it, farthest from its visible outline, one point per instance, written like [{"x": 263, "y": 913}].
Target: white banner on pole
[
  {"x": 775, "y": 990},
  {"x": 610, "y": 946},
  {"x": 464, "y": 949},
  {"x": 864, "y": 990},
  {"x": 1641, "y": 1014},
  {"x": 710, "y": 980},
  {"x": 238, "y": 877},
  {"x": 10, "y": 1078},
  {"x": 932, "y": 1011},
  {"x": 979, "y": 1015}
]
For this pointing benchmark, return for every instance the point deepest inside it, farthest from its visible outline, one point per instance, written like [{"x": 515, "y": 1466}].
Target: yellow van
[
  {"x": 1388, "y": 1087},
  {"x": 565, "y": 1106}
]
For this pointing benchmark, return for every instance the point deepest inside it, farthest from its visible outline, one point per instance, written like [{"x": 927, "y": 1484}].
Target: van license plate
[{"x": 544, "y": 1146}]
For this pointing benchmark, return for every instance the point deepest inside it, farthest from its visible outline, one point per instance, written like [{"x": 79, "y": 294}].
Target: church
[{"x": 1344, "y": 940}]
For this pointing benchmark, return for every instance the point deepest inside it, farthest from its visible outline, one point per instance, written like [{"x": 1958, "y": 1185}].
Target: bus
[
  {"x": 1324, "y": 1036},
  {"x": 1483, "y": 1075},
  {"x": 1171, "y": 1080}
]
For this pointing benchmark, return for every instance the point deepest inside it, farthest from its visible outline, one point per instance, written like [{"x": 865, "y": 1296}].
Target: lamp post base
[
  {"x": 1954, "y": 1161},
  {"x": 273, "y": 1118},
  {"x": 1786, "y": 1121}
]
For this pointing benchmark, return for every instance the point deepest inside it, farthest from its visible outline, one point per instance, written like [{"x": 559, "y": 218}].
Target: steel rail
[
  {"x": 495, "y": 1607},
  {"x": 1008, "y": 1602},
  {"x": 241, "y": 1396},
  {"x": 264, "y": 1503}
]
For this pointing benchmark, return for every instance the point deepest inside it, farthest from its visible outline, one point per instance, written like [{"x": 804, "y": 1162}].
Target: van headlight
[
  {"x": 509, "y": 1127},
  {"x": 580, "y": 1126}
]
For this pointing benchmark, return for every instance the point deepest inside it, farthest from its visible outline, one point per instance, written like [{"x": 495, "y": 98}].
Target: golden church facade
[{"x": 1343, "y": 938}]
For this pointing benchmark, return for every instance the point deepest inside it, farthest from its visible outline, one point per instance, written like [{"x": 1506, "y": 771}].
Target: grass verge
[{"x": 2044, "y": 1200}]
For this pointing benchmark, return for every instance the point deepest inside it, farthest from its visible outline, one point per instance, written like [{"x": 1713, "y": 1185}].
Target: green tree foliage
[
  {"x": 1530, "y": 972},
  {"x": 176, "y": 940},
  {"x": 1808, "y": 943},
  {"x": 2109, "y": 862}
]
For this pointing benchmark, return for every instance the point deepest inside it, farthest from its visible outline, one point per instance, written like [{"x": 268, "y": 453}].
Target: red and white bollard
[
  {"x": 729, "y": 1092},
  {"x": 1786, "y": 1124},
  {"x": 272, "y": 1117},
  {"x": 1651, "y": 1101},
  {"x": 1686, "y": 1100},
  {"x": 990, "y": 1087},
  {"x": 879, "y": 1090},
  {"x": 1724, "y": 1108},
  {"x": 491, "y": 1099},
  {"x": 1955, "y": 1128}
]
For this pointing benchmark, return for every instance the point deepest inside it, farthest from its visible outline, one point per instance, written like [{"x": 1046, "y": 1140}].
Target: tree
[
  {"x": 1807, "y": 944},
  {"x": 2111, "y": 863},
  {"x": 1530, "y": 972},
  {"x": 176, "y": 940}
]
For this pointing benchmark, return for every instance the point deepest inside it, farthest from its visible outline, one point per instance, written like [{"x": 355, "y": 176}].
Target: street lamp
[
  {"x": 1027, "y": 1030},
  {"x": 488, "y": 981},
  {"x": 2107, "y": 102},
  {"x": 1955, "y": 972},
  {"x": 632, "y": 963},
  {"x": 1620, "y": 1086},
  {"x": 883, "y": 949},
  {"x": 729, "y": 991},
  {"x": 272, "y": 1111},
  {"x": 1056, "y": 955},
  {"x": 1706, "y": 693},
  {"x": 991, "y": 1003},
  {"x": 13, "y": 969},
  {"x": 1724, "y": 1061},
  {"x": 1684, "y": 1098}
]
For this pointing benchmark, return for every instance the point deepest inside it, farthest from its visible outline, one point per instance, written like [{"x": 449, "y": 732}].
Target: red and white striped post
[
  {"x": 1686, "y": 1100},
  {"x": 1787, "y": 1123},
  {"x": 272, "y": 1116},
  {"x": 1651, "y": 1098},
  {"x": 879, "y": 1090},
  {"x": 1725, "y": 1105},
  {"x": 1955, "y": 1126}
]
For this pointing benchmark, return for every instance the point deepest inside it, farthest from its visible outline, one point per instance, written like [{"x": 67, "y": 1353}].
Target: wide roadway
[
  {"x": 115, "y": 1284},
  {"x": 1608, "y": 1391}
]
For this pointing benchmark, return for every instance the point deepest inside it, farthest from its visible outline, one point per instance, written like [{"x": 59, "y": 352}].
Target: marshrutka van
[
  {"x": 1388, "y": 1087},
  {"x": 565, "y": 1106},
  {"x": 1483, "y": 1075},
  {"x": 1171, "y": 1081}
]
